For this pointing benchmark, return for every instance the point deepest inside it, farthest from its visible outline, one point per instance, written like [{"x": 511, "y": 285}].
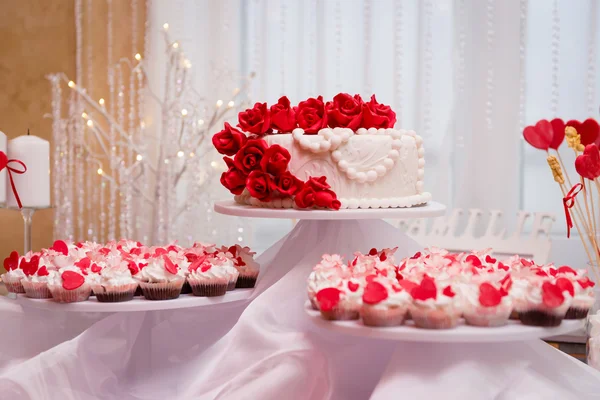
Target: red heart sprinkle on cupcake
[
  {"x": 60, "y": 247},
  {"x": 12, "y": 261},
  {"x": 586, "y": 283},
  {"x": 133, "y": 268},
  {"x": 72, "y": 280},
  {"x": 490, "y": 259},
  {"x": 565, "y": 285},
  {"x": 352, "y": 286},
  {"x": 328, "y": 298},
  {"x": 374, "y": 293},
  {"x": 489, "y": 296},
  {"x": 43, "y": 271},
  {"x": 566, "y": 270},
  {"x": 30, "y": 267},
  {"x": 552, "y": 295},
  {"x": 474, "y": 260},
  {"x": 95, "y": 268},
  {"x": 426, "y": 290},
  {"x": 448, "y": 291}
]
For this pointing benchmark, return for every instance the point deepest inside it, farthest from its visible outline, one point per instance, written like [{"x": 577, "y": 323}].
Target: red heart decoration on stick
[
  {"x": 30, "y": 267},
  {"x": 72, "y": 280},
  {"x": 11, "y": 262},
  {"x": 589, "y": 130},
  {"x": 558, "y": 133},
  {"x": 588, "y": 163},
  {"x": 539, "y": 136},
  {"x": 3, "y": 160}
]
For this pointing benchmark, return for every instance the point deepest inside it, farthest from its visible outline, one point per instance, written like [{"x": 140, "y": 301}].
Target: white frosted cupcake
[
  {"x": 14, "y": 274},
  {"x": 68, "y": 285},
  {"x": 545, "y": 303},
  {"x": 337, "y": 304},
  {"x": 384, "y": 304},
  {"x": 36, "y": 284},
  {"x": 114, "y": 284},
  {"x": 160, "y": 279},
  {"x": 433, "y": 307},
  {"x": 485, "y": 304},
  {"x": 248, "y": 269},
  {"x": 210, "y": 276},
  {"x": 330, "y": 272}
]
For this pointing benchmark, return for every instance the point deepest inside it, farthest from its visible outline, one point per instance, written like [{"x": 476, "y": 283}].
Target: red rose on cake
[
  {"x": 229, "y": 140},
  {"x": 275, "y": 160},
  {"x": 287, "y": 184},
  {"x": 283, "y": 116},
  {"x": 255, "y": 120},
  {"x": 248, "y": 157},
  {"x": 377, "y": 115},
  {"x": 311, "y": 115},
  {"x": 233, "y": 179},
  {"x": 345, "y": 111},
  {"x": 316, "y": 193},
  {"x": 260, "y": 185}
]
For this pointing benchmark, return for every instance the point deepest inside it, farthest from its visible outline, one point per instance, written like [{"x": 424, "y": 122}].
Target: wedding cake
[{"x": 345, "y": 153}]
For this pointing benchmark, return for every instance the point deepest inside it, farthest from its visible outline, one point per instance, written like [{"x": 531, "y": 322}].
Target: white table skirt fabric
[{"x": 269, "y": 349}]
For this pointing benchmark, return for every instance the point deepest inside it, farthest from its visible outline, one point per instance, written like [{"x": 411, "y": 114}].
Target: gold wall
[{"x": 38, "y": 37}]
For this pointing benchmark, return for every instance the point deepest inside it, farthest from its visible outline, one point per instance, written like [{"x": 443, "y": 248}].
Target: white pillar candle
[
  {"x": 3, "y": 172},
  {"x": 33, "y": 186}
]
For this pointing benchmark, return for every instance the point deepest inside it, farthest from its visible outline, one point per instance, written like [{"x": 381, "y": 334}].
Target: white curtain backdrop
[{"x": 467, "y": 75}]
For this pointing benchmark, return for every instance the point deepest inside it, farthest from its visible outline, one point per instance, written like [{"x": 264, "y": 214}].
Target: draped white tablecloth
[{"x": 268, "y": 349}]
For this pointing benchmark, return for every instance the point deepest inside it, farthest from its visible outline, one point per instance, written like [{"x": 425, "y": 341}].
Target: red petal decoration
[
  {"x": 375, "y": 293},
  {"x": 565, "y": 285},
  {"x": 558, "y": 133},
  {"x": 83, "y": 264},
  {"x": 502, "y": 266},
  {"x": 369, "y": 278},
  {"x": 169, "y": 266},
  {"x": 352, "y": 286},
  {"x": 417, "y": 255},
  {"x": 30, "y": 267},
  {"x": 552, "y": 295},
  {"x": 60, "y": 247},
  {"x": 382, "y": 257},
  {"x": 160, "y": 251},
  {"x": 426, "y": 290},
  {"x": 373, "y": 252},
  {"x": 539, "y": 136},
  {"x": 12, "y": 261},
  {"x": 72, "y": 280},
  {"x": 489, "y": 296},
  {"x": 526, "y": 263},
  {"x": 585, "y": 283},
  {"x": 407, "y": 285},
  {"x": 328, "y": 298},
  {"x": 133, "y": 268},
  {"x": 506, "y": 284}
]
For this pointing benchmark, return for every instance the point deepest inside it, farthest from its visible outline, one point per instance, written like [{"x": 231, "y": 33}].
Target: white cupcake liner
[{"x": 36, "y": 290}]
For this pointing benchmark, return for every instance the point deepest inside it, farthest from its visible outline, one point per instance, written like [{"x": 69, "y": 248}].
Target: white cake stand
[
  {"x": 514, "y": 331},
  {"x": 137, "y": 304},
  {"x": 509, "y": 363}
]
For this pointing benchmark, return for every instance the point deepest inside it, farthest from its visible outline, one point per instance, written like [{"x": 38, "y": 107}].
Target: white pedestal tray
[
  {"x": 137, "y": 304},
  {"x": 514, "y": 331}
]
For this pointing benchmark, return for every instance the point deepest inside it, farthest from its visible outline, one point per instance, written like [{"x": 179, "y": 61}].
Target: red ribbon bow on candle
[
  {"x": 568, "y": 203},
  {"x": 4, "y": 162}
]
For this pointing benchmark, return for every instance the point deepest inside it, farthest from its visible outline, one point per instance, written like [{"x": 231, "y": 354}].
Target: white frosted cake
[{"x": 340, "y": 154}]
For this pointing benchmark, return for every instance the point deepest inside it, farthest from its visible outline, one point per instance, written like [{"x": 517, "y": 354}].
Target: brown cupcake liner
[
  {"x": 62, "y": 295},
  {"x": 138, "y": 291},
  {"x": 36, "y": 290},
  {"x": 208, "y": 288},
  {"x": 577, "y": 313},
  {"x": 13, "y": 285},
  {"x": 231, "y": 285},
  {"x": 114, "y": 294},
  {"x": 246, "y": 282},
  {"x": 514, "y": 315},
  {"x": 539, "y": 318},
  {"x": 186, "y": 288},
  {"x": 162, "y": 290}
]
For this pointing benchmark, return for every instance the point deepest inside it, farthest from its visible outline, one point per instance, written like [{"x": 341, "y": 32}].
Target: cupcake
[
  {"x": 583, "y": 292},
  {"x": 114, "y": 284},
  {"x": 545, "y": 302},
  {"x": 68, "y": 285},
  {"x": 209, "y": 276},
  {"x": 160, "y": 279},
  {"x": 384, "y": 304},
  {"x": 433, "y": 308},
  {"x": 486, "y": 304},
  {"x": 336, "y": 304},
  {"x": 248, "y": 268},
  {"x": 14, "y": 273},
  {"x": 36, "y": 283},
  {"x": 328, "y": 273}
]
